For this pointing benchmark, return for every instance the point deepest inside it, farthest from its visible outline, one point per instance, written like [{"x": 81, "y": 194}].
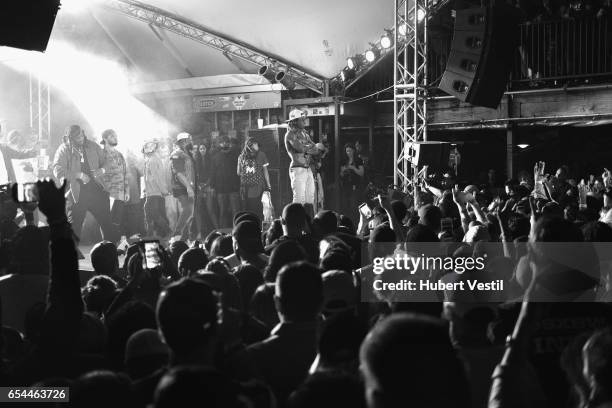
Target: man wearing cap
[
  {"x": 18, "y": 147},
  {"x": 300, "y": 149},
  {"x": 155, "y": 189},
  {"x": 115, "y": 179},
  {"x": 182, "y": 167},
  {"x": 83, "y": 164}
]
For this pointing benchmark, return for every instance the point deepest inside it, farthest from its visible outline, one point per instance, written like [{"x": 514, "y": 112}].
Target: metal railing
[
  {"x": 564, "y": 50},
  {"x": 551, "y": 53}
]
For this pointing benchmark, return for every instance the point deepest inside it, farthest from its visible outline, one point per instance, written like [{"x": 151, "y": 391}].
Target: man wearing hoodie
[
  {"x": 183, "y": 181},
  {"x": 155, "y": 188}
]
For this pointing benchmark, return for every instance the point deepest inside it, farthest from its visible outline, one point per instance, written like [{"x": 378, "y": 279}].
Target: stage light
[
  {"x": 355, "y": 62},
  {"x": 386, "y": 41},
  {"x": 285, "y": 79},
  {"x": 347, "y": 75},
  {"x": 420, "y": 14},
  {"x": 522, "y": 146},
  {"x": 403, "y": 29},
  {"x": 350, "y": 62},
  {"x": 372, "y": 54},
  {"x": 99, "y": 88},
  {"x": 267, "y": 72}
]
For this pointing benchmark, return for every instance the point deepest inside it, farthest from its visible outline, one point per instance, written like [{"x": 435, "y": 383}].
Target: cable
[{"x": 371, "y": 95}]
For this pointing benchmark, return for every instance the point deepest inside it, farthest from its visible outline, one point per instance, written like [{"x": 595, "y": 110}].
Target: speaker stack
[
  {"x": 27, "y": 24},
  {"x": 481, "y": 56},
  {"x": 432, "y": 154}
]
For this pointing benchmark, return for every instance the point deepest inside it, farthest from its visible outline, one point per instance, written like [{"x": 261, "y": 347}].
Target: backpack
[{"x": 250, "y": 174}]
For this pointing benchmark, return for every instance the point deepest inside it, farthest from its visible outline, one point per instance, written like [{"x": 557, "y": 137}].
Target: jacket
[
  {"x": 116, "y": 178},
  {"x": 67, "y": 164},
  {"x": 154, "y": 176},
  {"x": 181, "y": 162}
]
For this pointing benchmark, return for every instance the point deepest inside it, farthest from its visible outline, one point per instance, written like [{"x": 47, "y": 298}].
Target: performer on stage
[
  {"x": 10, "y": 155},
  {"x": 254, "y": 177},
  {"x": 184, "y": 182},
  {"x": 115, "y": 179},
  {"x": 83, "y": 164},
  {"x": 300, "y": 149}
]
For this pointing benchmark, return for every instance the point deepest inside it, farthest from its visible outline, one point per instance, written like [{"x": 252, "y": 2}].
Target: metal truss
[
  {"x": 40, "y": 109},
  {"x": 194, "y": 31},
  {"x": 410, "y": 85}
]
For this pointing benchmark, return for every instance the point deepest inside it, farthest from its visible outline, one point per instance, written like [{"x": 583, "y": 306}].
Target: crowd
[{"x": 277, "y": 313}]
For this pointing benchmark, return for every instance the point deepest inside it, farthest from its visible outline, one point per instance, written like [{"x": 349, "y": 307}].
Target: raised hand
[
  {"x": 606, "y": 177},
  {"x": 52, "y": 200},
  {"x": 538, "y": 171},
  {"x": 456, "y": 196}
]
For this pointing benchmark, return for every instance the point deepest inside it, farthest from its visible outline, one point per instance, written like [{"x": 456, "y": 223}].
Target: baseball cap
[
  {"x": 182, "y": 136},
  {"x": 296, "y": 114}
]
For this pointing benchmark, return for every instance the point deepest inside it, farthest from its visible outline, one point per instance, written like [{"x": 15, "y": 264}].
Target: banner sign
[{"x": 236, "y": 102}]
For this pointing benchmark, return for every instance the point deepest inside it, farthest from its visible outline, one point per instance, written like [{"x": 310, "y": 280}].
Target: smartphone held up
[{"x": 151, "y": 253}]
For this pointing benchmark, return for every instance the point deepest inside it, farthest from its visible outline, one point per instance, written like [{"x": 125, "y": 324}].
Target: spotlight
[
  {"x": 285, "y": 79},
  {"x": 350, "y": 62},
  {"x": 372, "y": 54},
  {"x": 420, "y": 14},
  {"x": 522, "y": 146},
  {"x": 266, "y": 72},
  {"x": 347, "y": 75},
  {"x": 336, "y": 87},
  {"x": 403, "y": 29},
  {"x": 355, "y": 62},
  {"x": 386, "y": 41}
]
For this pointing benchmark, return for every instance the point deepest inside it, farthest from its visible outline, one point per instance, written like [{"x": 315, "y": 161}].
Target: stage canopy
[{"x": 318, "y": 35}]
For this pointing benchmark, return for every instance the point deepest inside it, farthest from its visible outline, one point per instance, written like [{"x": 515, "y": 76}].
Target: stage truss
[
  {"x": 196, "y": 32},
  {"x": 40, "y": 109},
  {"x": 410, "y": 85}
]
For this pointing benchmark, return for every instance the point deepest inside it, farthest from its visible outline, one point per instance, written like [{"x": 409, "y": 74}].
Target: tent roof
[{"x": 318, "y": 35}]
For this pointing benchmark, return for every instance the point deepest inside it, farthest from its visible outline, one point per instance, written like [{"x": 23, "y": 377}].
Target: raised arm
[
  {"x": 463, "y": 212},
  {"x": 62, "y": 317},
  {"x": 394, "y": 223},
  {"x": 20, "y": 154}
]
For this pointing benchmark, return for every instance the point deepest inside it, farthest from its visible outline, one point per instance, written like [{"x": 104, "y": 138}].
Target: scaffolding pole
[
  {"x": 410, "y": 87},
  {"x": 40, "y": 109}
]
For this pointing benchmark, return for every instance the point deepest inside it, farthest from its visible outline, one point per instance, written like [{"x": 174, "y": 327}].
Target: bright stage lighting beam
[{"x": 97, "y": 87}]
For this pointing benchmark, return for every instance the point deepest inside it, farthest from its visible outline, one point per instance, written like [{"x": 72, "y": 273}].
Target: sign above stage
[{"x": 236, "y": 102}]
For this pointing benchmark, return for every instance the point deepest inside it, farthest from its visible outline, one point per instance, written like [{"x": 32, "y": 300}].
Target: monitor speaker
[
  {"x": 27, "y": 24},
  {"x": 432, "y": 154},
  {"x": 481, "y": 56}
]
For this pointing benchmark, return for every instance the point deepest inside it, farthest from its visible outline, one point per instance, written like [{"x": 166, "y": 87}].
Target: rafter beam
[{"x": 189, "y": 29}]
